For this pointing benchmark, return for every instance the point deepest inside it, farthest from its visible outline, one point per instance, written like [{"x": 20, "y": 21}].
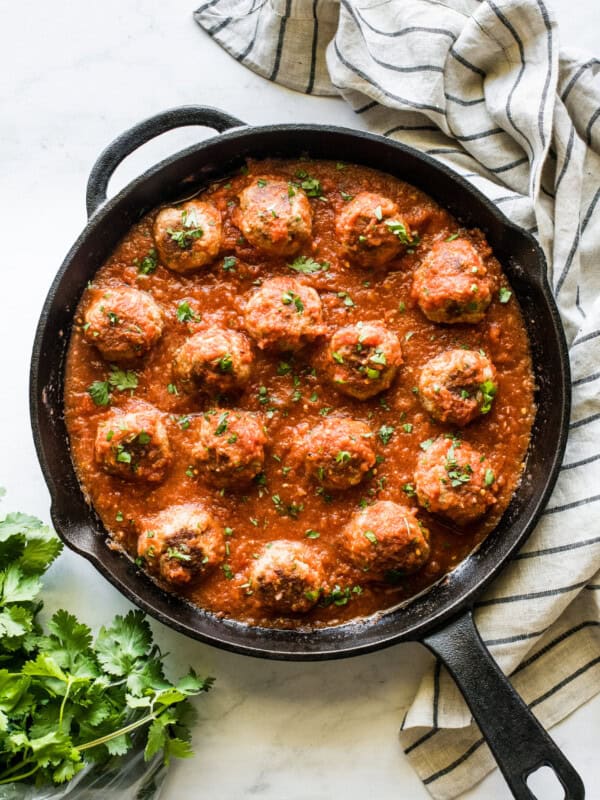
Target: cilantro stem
[
  {"x": 20, "y": 777},
  {"x": 62, "y": 705},
  {"x": 120, "y": 732}
]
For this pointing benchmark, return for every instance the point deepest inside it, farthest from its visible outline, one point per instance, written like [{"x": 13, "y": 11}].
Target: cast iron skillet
[{"x": 441, "y": 618}]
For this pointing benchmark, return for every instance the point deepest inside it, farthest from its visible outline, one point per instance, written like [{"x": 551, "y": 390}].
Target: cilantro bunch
[{"x": 67, "y": 700}]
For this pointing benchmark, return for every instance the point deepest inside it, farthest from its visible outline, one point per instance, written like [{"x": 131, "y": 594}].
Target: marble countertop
[{"x": 73, "y": 77}]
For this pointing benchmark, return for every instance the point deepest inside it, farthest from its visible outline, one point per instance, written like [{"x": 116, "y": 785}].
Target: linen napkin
[{"x": 483, "y": 87}]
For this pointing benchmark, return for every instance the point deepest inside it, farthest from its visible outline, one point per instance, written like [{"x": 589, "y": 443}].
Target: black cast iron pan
[{"x": 441, "y": 618}]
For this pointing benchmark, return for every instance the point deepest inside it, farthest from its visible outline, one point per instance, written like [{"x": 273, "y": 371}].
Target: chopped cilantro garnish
[
  {"x": 385, "y": 433},
  {"x": 185, "y": 313},
  {"x": 488, "y": 389},
  {"x": 148, "y": 264},
  {"x": 289, "y": 297},
  {"x": 504, "y": 294},
  {"x": 307, "y": 265},
  {"x": 222, "y": 423}
]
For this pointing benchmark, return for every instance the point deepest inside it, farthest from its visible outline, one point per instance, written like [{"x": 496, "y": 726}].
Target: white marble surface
[{"x": 73, "y": 76}]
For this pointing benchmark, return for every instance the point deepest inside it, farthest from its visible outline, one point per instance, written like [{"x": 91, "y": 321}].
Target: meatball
[
  {"x": 189, "y": 236},
  {"x": 213, "y": 361},
  {"x": 287, "y": 577},
  {"x": 371, "y": 230},
  {"x": 275, "y": 216},
  {"x": 284, "y": 315},
  {"x": 337, "y": 453},
  {"x": 457, "y": 386},
  {"x": 454, "y": 480},
  {"x": 385, "y": 540},
  {"x": 363, "y": 359},
  {"x": 181, "y": 544},
  {"x": 134, "y": 444},
  {"x": 123, "y": 323},
  {"x": 450, "y": 285},
  {"x": 230, "y": 447}
]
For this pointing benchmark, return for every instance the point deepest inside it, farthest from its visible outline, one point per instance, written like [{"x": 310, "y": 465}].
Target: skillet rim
[{"x": 128, "y": 582}]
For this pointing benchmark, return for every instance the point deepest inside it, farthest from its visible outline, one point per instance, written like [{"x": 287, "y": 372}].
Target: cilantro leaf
[
  {"x": 122, "y": 380},
  {"x": 307, "y": 266},
  {"x": 123, "y": 643},
  {"x": 99, "y": 391}
]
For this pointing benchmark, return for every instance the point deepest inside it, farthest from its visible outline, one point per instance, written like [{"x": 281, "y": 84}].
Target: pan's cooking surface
[
  {"x": 178, "y": 177},
  {"x": 293, "y": 395}
]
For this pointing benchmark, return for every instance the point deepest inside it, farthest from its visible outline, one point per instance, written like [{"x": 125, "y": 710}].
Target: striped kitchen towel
[{"x": 483, "y": 87}]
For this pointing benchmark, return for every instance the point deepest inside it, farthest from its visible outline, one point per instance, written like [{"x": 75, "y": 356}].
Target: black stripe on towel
[
  {"x": 591, "y": 63},
  {"x": 580, "y": 230},
  {"x": 588, "y": 130},
  {"x": 405, "y": 31},
  {"x": 558, "y": 549},
  {"x": 567, "y": 157},
  {"x": 514, "y": 598},
  {"x": 280, "y": 40},
  {"x": 575, "y": 504},
  {"x": 585, "y": 421},
  {"x": 508, "y": 25},
  {"x": 586, "y": 338},
  {"x": 357, "y": 71},
  {"x": 588, "y": 379},
  {"x": 546, "y": 19},
  {"x": 313, "y": 53}
]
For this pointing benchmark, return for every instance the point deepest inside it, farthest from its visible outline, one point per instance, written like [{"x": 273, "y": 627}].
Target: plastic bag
[{"x": 126, "y": 777}]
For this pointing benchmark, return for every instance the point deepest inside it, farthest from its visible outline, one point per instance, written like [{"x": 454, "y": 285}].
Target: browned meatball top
[
  {"x": 363, "y": 359},
  {"x": 386, "y": 540},
  {"x": 122, "y": 322},
  {"x": 181, "y": 543},
  {"x": 134, "y": 444},
  {"x": 371, "y": 230},
  {"x": 284, "y": 315},
  {"x": 457, "y": 386},
  {"x": 230, "y": 447},
  {"x": 275, "y": 216},
  {"x": 451, "y": 283},
  {"x": 287, "y": 577},
  {"x": 214, "y": 360},
  {"x": 454, "y": 480},
  {"x": 337, "y": 453},
  {"x": 189, "y": 236}
]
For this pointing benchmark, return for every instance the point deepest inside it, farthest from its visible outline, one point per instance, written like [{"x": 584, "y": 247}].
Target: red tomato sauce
[{"x": 293, "y": 398}]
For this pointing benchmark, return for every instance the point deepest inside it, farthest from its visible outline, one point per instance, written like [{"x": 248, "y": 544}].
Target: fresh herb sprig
[
  {"x": 66, "y": 700},
  {"x": 119, "y": 379}
]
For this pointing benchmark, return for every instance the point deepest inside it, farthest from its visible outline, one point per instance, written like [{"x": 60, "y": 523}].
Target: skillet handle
[
  {"x": 519, "y": 743},
  {"x": 143, "y": 132}
]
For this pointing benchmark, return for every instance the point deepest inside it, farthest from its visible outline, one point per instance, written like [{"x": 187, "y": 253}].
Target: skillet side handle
[
  {"x": 143, "y": 132},
  {"x": 519, "y": 743}
]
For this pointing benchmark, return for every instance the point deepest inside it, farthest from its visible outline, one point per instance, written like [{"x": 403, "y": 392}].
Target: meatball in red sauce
[
  {"x": 386, "y": 540},
  {"x": 133, "y": 444},
  {"x": 230, "y": 447},
  {"x": 337, "y": 453},
  {"x": 181, "y": 544},
  {"x": 458, "y": 386},
  {"x": 275, "y": 216},
  {"x": 287, "y": 577},
  {"x": 188, "y": 237},
  {"x": 371, "y": 230},
  {"x": 213, "y": 361},
  {"x": 122, "y": 322},
  {"x": 454, "y": 480},
  {"x": 284, "y": 315},
  {"x": 362, "y": 360},
  {"x": 451, "y": 284}
]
